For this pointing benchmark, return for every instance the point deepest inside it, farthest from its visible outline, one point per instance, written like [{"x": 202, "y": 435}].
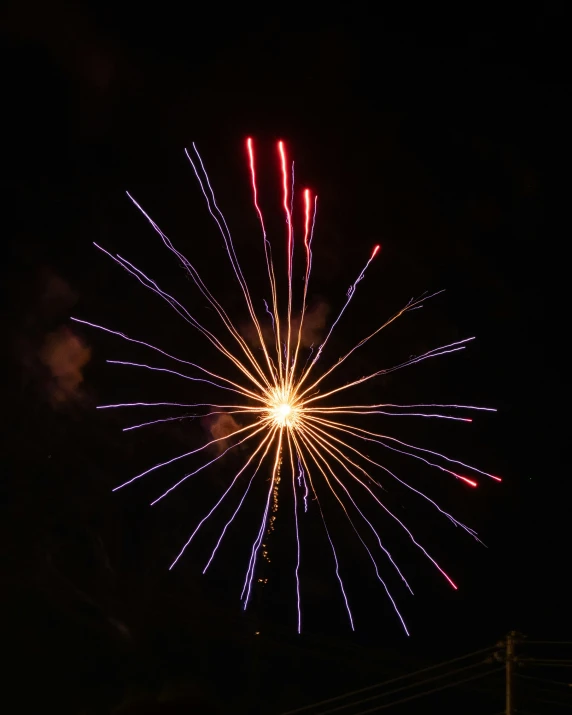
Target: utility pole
[{"x": 509, "y": 662}]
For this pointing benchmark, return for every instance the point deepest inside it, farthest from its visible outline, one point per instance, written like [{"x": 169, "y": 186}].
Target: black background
[{"x": 450, "y": 148}]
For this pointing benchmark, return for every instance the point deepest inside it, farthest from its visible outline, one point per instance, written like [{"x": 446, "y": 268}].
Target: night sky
[{"x": 451, "y": 151}]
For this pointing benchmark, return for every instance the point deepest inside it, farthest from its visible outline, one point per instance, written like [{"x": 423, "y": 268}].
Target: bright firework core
[
  {"x": 281, "y": 413},
  {"x": 283, "y": 409}
]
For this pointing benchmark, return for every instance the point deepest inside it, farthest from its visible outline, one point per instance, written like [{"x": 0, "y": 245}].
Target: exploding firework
[{"x": 293, "y": 426}]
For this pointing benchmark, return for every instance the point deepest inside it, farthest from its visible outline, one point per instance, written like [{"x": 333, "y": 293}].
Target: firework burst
[{"x": 294, "y": 428}]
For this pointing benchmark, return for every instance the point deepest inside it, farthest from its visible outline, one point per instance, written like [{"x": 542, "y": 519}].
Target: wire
[
  {"x": 526, "y": 642},
  {"x": 545, "y": 693},
  {"x": 386, "y": 682},
  {"x": 555, "y": 662},
  {"x": 404, "y": 687},
  {"x": 543, "y": 680},
  {"x": 555, "y": 702},
  {"x": 428, "y": 692}
]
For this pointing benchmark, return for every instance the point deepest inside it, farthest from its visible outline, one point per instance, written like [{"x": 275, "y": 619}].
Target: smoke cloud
[
  {"x": 220, "y": 426},
  {"x": 65, "y": 355}
]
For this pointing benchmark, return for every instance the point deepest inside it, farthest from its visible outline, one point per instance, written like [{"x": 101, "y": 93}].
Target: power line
[
  {"x": 555, "y": 702},
  {"x": 545, "y": 661},
  {"x": 429, "y": 692},
  {"x": 387, "y": 682},
  {"x": 543, "y": 680},
  {"x": 491, "y": 689},
  {"x": 544, "y": 693},
  {"x": 404, "y": 687},
  {"x": 526, "y": 642}
]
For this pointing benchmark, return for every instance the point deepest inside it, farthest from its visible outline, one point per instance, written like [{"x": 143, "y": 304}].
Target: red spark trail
[
  {"x": 252, "y": 171},
  {"x": 267, "y": 247},
  {"x": 307, "y": 216},
  {"x": 282, "y": 152}
]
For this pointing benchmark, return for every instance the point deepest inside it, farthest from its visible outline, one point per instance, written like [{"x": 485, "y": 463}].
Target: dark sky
[{"x": 451, "y": 150}]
